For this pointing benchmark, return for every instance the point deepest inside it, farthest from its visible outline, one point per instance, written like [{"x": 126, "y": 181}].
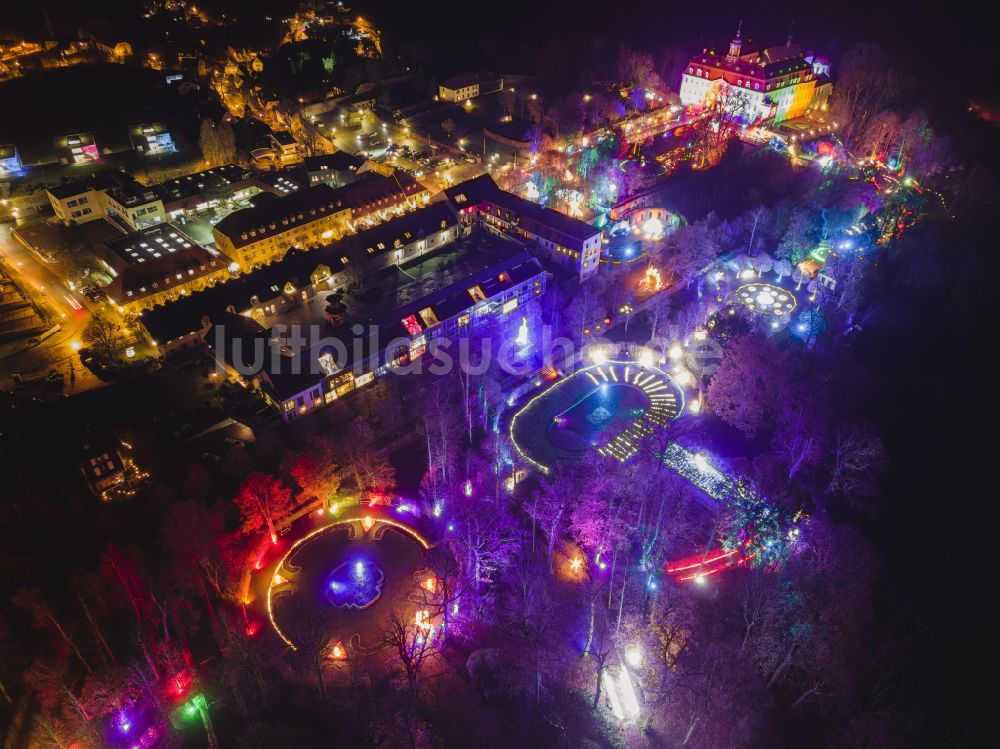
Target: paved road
[{"x": 72, "y": 313}]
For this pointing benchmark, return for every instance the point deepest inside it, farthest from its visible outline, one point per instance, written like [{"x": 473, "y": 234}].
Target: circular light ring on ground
[
  {"x": 766, "y": 299},
  {"x": 355, "y": 527}
]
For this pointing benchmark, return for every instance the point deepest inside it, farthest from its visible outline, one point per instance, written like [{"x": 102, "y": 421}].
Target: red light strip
[
  {"x": 702, "y": 574},
  {"x": 685, "y": 565}
]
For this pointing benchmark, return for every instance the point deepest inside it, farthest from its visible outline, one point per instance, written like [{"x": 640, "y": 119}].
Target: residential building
[
  {"x": 469, "y": 86},
  {"x": 103, "y": 468},
  {"x": 76, "y": 202},
  {"x": 286, "y": 149},
  {"x": 10, "y": 161},
  {"x": 151, "y": 139},
  {"x": 113, "y": 195},
  {"x": 761, "y": 86},
  {"x": 376, "y": 198},
  {"x": 127, "y": 201},
  {"x": 314, "y": 216},
  {"x": 335, "y": 169},
  {"x": 79, "y": 148},
  {"x": 565, "y": 240}
]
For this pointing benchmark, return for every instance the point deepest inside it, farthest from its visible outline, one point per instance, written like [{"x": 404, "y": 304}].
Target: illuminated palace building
[{"x": 767, "y": 85}]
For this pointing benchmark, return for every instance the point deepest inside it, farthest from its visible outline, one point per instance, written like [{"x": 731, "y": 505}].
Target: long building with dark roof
[
  {"x": 313, "y": 216},
  {"x": 307, "y": 377},
  {"x": 254, "y": 237},
  {"x": 157, "y": 266},
  {"x": 302, "y": 274},
  {"x": 563, "y": 238}
]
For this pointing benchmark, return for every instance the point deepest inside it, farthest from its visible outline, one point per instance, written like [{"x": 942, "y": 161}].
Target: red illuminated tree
[
  {"x": 316, "y": 470},
  {"x": 264, "y": 502}
]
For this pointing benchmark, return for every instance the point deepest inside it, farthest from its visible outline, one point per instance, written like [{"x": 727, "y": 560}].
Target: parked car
[
  {"x": 34, "y": 341},
  {"x": 234, "y": 442},
  {"x": 211, "y": 456}
]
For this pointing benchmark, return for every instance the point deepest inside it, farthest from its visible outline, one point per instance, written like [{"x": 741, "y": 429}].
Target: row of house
[
  {"x": 111, "y": 194},
  {"x": 488, "y": 276},
  {"x": 355, "y": 349},
  {"x": 303, "y": 274},
  {"x": 117, "y": 195},
  {"x": 340, "y": 260},
  {"x": 313, "y": 216}
]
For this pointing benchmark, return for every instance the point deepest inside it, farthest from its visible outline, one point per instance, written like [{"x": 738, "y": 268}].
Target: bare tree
[
  {"x": 45, "y": 617},
  {"x": 412, "y": 647},
  {"x": 858, "y": 458},
  {"x": 104, "y": 334}
]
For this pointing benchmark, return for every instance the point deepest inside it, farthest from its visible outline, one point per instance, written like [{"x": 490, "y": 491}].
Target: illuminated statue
[{"x": 522, "y": 333}]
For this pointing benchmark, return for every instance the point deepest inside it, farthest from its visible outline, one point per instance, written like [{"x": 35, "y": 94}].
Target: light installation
[
  {"x": 766, "y": 299},
  {"x": 651, "y": 282},
  {"x": 355, "y": 585},
  {"x": 652, "y": 228},
  {"x": 560, "y": 404},
  {"x": 700, "y": 566},
  {"x": 368, "y": 522}
]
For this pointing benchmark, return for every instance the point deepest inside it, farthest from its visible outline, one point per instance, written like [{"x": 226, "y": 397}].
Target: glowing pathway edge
[
  {"x": 312, "y": 534},
  {"x": 587, "y": 370}
]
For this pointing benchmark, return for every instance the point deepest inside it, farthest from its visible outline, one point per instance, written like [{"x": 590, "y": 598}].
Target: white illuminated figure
[{"x": 522, "y": 333}]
